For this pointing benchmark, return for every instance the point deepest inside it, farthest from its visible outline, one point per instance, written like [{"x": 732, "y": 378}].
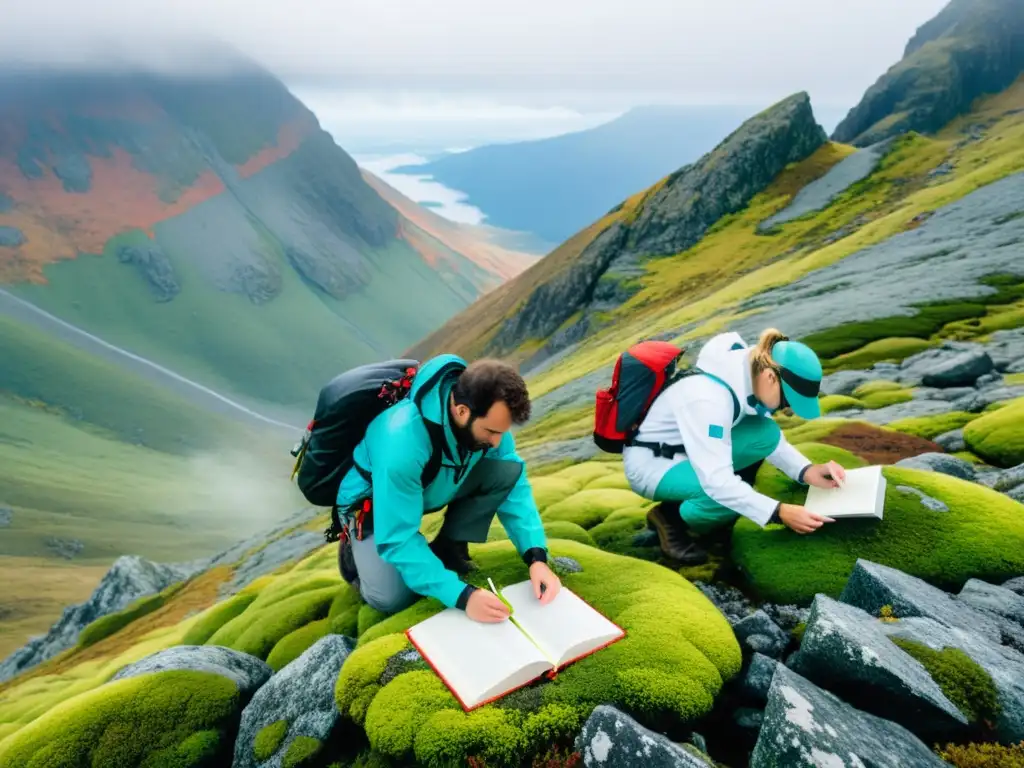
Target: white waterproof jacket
[{"x": 699, "y": 413}]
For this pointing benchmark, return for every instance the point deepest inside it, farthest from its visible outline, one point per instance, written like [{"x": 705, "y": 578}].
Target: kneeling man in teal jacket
[{"x": 466, "y": 413}]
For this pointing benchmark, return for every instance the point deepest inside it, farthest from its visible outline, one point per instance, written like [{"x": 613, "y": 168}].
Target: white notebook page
[
  {"x": 478, "y": 660},
  {"x": 566, "y": 627},
  {"x": 862, "y": 495}
]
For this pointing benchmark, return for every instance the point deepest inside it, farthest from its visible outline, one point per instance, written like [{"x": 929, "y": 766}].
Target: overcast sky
[{"x": 436, "y": 58}]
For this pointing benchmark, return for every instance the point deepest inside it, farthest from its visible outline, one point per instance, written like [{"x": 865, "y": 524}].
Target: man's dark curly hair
[{"x": 485, "y": 382}]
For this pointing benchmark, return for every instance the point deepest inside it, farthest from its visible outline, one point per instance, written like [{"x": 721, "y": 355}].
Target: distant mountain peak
[{"x": 969, "y": 49}]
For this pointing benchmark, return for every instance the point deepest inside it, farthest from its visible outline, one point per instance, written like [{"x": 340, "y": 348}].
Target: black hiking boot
[
  {"x": 674, "y": 536},
  {"x": 347, "y": 563},
  {"x": 454, "y": 555}
]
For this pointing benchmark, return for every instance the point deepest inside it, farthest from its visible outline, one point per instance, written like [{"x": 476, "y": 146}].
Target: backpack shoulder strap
[
  {"x": 433, "y": 465},
  {"x": 735, "y": 400}
]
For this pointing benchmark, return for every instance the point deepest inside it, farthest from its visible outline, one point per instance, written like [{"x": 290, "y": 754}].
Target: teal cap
[{"x": 801, "y": 377}]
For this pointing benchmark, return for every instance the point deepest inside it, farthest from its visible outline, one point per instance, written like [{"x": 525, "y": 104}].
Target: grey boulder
[
  {"x": 612, "y": 739},
  {"x": 940, "y": 462},
  {"x": 845, "y": 650},
  {"x": 302, "y": 695},
  {"x": 248, "y": 672},
  {"x": 806, "y": 726}
]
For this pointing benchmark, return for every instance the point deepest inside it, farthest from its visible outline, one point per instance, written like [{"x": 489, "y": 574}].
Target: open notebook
[
  {"x": 862, "y": 495},
  {"x": 483, "y": 662}
]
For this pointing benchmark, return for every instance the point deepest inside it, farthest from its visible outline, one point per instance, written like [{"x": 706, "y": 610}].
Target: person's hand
[
  {"x": 801, "y": 519},
  {"x": 828, "y": 475},
  {"x": 540, "y": 574},
  {"x": 485, "y": 607}
]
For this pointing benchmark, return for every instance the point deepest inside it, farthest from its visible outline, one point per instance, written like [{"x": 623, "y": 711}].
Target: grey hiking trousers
[{"x": 467, "y": 518}]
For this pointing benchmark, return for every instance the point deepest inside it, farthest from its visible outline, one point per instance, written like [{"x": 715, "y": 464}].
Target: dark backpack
[
  {"x": 641, "y": 373},
  {"x": 344, "y": 409}
]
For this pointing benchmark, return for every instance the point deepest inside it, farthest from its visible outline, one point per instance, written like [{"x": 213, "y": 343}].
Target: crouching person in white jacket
[{"x": 699, "y": 448}]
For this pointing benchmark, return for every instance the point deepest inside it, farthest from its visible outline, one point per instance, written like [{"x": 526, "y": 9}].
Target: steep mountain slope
[
  {"x": 568, "y": 293},
  {"x": 971, "y": 48},
  {"x": 212, "y": 226},
  {"x": 477, "y": 242},
  {"x": 554, "y": 187}
]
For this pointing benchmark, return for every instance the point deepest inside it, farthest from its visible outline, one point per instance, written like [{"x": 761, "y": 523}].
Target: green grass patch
[
  {"x": 981, "y": 536},
  {"x": 678, "y": 653},
  {"x": 965, "y": 683},
  {"x": 175, "y": 718},
  {"x": 998, "y": 436}
]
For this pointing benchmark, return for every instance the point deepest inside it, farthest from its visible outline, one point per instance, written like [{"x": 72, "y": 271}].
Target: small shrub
[{"x": 983, "y": 755}]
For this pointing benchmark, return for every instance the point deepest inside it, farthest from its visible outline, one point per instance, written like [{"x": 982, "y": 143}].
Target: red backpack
[{"x": 640, "y": 375}]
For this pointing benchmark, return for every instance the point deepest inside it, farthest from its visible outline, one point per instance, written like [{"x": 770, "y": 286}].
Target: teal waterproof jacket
[{"x": 394, "y": 451}]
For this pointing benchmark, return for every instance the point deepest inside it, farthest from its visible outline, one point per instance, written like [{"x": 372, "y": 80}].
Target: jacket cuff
[
  {"x": 775, "y": 513},
  {"x": 464, "y": 597},
  {"x": 535, "y": 555},
  {"x": 800, "y": 477}
]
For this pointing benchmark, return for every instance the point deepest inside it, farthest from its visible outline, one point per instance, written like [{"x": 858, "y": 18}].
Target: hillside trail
[{"x": 197, "y": 393}]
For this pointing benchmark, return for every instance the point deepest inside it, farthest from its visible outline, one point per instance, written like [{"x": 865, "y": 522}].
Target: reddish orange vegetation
[
  {"x": 879, "y": 446},
  {"x": 289, "y": 137},
  {"x": 59, "y": 225},
  {"x": 197, "y": 595},
  {"x": 474, "y": 245}
]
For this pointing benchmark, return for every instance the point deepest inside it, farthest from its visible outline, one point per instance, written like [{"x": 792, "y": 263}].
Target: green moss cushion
[
  {"x": 259, "y": 628},
  {"x": 998, "y": 437},
  {"x": 178, "y": 718},
  {"x": 878, "y": 385},
  {"x": 552, "y": 489},
  {"x": 292, "y": 645},
  {"x": 981, "y": 535},
  {"x": 619, "y": 531},
  {"x": 215, "y": 617},
  {"x": 678, "y": 652},
  {"x": 589, "y": 507},
  {"x": 830, "y": 403},
  {"x": 933, "y": 426}
]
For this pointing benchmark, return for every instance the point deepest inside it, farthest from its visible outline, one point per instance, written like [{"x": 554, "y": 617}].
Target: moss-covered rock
[
  {"x": 107, "y": 625},
  {"x": 831, "y": 403},
  {"x": 269, "y": 739},
  {"x": 180, "y": 718},
  {"x": 875, "y": 400},
  {"x": 933, "y": 426},
  {"x": 678, "y": 651},
  {"x": 890, "y": 350},
  {"x": 291, "y": 646},
  {"x": 875, "y": 386},
  {"x": 998, "y": 436},
  {"x": 983, "y": 755},
  {"x": 589, "y": 507},
  {"x": 963, "y": 681},
  {"x": 981, "y": 535}
]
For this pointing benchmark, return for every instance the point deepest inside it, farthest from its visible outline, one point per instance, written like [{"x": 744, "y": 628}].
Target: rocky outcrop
[
  {"x": 612, "y": 739},
  {"x": 806, "y": 726},
  {"x": 817, "y": 195},
  {"x": 970, "y": 49},
  {"x": 673, "y": 218},
  {"x": 299, "y": 701},
  {"x": 154, "y": 267},
  {"x": 129, "y": 578},
  {"x": 846, "y": 650}
]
